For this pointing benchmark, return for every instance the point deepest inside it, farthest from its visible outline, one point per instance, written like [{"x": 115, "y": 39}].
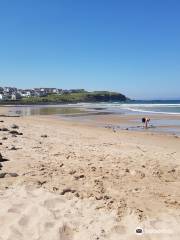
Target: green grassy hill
[{"x": 98, "y": 96}]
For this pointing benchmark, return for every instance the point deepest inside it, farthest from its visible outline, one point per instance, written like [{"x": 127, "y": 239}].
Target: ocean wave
[
  {"x": 152, "y": 112},
  {"x": 152, "y": 105},
  {"x": 153, "y": 108}
]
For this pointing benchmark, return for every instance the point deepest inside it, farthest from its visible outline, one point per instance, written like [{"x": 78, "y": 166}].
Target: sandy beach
[{"x": 70, "y": 180}]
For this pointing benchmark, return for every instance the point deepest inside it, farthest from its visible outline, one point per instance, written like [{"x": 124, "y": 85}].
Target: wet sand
[
  {"x": 77, "y": 180},
  {"x": 160, "y": 123}
]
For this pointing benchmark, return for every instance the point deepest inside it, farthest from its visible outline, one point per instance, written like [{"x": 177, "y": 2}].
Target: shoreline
[{"x": 161, "y": 123}]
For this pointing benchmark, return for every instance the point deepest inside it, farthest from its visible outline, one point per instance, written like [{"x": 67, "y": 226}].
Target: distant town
[{"x": 12, "y": 93}]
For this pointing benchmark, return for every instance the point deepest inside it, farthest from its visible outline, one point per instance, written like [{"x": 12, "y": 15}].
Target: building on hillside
[
  {"x": 65, "y": 91},
  {"x": 49, "y": 90},
  {"x": 46, "y": 91},
  {"x": 1, "y": 90},
  {"x": 77, "y": 90},
  {"x": 10, "y": 90},
  {"x": 15, "y": 96},
  {"x": 26, "y": 92},
  {"x": 39, "y": 92},
  {"x": 3, "y": 97}
]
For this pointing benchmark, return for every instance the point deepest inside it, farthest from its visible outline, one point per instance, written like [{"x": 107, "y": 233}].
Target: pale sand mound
[{"x": 39, "y": 215}]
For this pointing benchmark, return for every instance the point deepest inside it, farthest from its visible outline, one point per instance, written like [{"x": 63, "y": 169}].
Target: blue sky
[{"x": 131, "y": 46}]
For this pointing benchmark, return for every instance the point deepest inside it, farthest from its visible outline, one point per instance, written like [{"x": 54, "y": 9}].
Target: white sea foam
[
  {"x": 153, "y": 112},
  {"x": 169, "y": 108}
]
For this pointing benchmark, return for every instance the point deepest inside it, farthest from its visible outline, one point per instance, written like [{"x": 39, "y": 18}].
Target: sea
[
  {"x": 164, "y": 115},
  {"x": 170, "y": 107}
]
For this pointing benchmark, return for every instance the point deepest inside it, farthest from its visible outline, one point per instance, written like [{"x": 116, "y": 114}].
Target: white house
[
  {"x": 15, "y": 96},
  {"x": 10, "y": 90},
  {"x": 3, "y": 97},
  {"x": 26, "y": 93}
]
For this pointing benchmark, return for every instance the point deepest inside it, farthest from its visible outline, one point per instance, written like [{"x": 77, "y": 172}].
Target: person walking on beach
[{"x": 146, "y": 121}]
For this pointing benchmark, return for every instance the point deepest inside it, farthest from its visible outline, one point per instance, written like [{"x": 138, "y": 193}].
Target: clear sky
[{"x": 131, "y": 46}]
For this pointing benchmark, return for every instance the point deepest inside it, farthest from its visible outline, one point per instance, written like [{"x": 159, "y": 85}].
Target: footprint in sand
[
  {"x": 53, "y": 203},
  {"x": 119, "y": 229},
  {"x": 24, "y": 220},
  {"x": 65, "y": 233}
]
